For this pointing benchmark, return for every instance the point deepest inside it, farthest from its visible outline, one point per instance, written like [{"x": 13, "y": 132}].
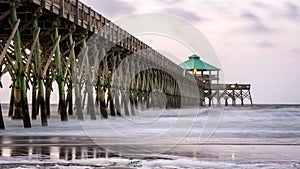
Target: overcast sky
[{"x": 257, "y": 42}]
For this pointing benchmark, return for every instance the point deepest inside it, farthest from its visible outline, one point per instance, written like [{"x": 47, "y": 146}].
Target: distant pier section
[{"x": 214, "y": 92}]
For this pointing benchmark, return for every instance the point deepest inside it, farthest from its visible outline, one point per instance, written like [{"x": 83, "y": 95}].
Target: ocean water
[{"x": 234, "y": 137}]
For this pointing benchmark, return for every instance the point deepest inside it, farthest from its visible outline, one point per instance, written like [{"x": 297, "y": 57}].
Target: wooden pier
[
  {"x": 228, "y": 92},
  {"x": 41, "y": 42}
]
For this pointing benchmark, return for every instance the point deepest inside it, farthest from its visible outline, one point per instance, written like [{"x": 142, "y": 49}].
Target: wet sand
[
  {"x": 245, "y": 139},
  {"x": 75, "y": 147}
]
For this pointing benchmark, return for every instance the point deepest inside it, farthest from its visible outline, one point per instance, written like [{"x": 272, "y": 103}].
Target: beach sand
[{"x": 245, "y": 138}]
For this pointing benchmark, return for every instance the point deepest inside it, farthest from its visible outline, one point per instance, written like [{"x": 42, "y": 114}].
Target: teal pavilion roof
[{"x": 194, "y": 62}]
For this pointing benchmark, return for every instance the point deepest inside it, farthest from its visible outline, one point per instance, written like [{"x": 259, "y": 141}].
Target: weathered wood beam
[
  {"x": 36, "y": 37},
  {"x": 8, "y": 60},
  {"x": 67, "y": 71},
  {"x": 8, "y": 12},
  {"x": 12, "y": 35},
  {"x": 27, "y": 24},
  {"x": 50, "y": 57},
  {"x": 4, "y": 71}
]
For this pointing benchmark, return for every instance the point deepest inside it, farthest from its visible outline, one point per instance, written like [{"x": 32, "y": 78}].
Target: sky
[{"x": 256, "y": 41}]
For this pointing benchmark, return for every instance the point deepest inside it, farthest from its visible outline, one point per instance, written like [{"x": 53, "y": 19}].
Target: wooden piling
[
  {"x": 21, "y": 102},
  {"x": 12, "y": 101},
  {"x": 75, "y": 81},
  {"x": 111, "y": 102},
  {"x": 101, "y": 94},
  {"x": 125, "y": 102},
  {"x": 48, "y": 86},
  {"x": 69, "y": 99},
  {"x": 41, "y": 107},
  {"x": 34, "y": 109},
  {"x": 2, "y": 125},
  {"x": 124, "y": 88},
  {"x": 88, "y": 83},
  {"x": 110, "y": 87},
  {"x": 59, "y": 78},
  {"x": 117, "y": 101},
  {"x": 115, "y": 85},
  {"x": 130, "y": 90},
  {"x": 101, "y": 86}
]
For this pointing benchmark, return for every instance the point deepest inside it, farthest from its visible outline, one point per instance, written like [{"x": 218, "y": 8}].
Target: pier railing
[{"x": 228, "y": 86}]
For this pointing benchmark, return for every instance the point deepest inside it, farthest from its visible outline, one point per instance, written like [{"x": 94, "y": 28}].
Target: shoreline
[
  {"x": 85, "y": 155},
  {"x": 245, "y": 138}
]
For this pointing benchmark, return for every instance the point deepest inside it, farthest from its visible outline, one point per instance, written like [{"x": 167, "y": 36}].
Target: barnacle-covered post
[
  {"x": 39, "y": 79},
  {"x": 21, "y": 102},
  {"x": 59, "y": 77}
]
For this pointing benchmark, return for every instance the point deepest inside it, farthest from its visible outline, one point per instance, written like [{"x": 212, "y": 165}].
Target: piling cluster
[{"x": 99, "y": 68}]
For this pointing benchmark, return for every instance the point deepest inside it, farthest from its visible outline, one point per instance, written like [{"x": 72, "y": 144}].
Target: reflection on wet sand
[
  {"x": 57, "y": 152},
  {"x": 73, "y": 148},
  {"x": 68, "y": 148}
]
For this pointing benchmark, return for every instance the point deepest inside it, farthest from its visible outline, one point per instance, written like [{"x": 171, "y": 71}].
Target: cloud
[
  {"x": 188, "y": 15},
  {"x": 295, "y": 50},
  {"x": 288, "y": 9},
  {"x": 259, "y": 4},
  {"x": 250, "y": 16},
  {"x": 170, "y": 1},
  {"x": 256, "y": 25},
  {"x": 259, "y": 27},
  {"x": 111, "y": 8},
  {"x": 293, "y": 11},
  {"x": 265, "y": 44},
  {"x": 264, "y": 6}
]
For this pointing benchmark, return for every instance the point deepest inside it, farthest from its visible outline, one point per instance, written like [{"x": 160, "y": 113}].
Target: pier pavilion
[{"x": 214, "y": 92}]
